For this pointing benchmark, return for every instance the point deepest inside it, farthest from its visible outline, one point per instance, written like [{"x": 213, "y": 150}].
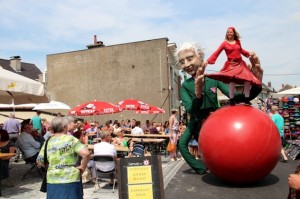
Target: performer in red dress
[{"x": 235, "y": 69}]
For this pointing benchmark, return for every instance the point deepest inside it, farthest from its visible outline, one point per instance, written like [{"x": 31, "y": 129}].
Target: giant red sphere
[{"x": 239, "y": 144}]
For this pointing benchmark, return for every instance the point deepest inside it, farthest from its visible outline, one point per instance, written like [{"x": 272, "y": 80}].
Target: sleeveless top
[
  {"x": 5, "y": 163},
  {"x": 175, "y": 125}
]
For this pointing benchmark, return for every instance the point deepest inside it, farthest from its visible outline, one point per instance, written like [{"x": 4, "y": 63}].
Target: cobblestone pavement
[{"x": 29, "y": 188}]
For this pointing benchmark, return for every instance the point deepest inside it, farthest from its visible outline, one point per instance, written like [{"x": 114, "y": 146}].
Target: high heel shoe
[{"x": 247, "y": 101}]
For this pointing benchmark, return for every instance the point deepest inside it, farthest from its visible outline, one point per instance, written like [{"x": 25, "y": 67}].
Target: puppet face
[
  {"x": 189, "y": 61},
  {"x": 230, "y": 34}
]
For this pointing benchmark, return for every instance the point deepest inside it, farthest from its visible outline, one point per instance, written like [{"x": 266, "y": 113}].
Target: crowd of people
[
  {"x": 67, "y": 138},
  {"x": 284, "y": 111}
]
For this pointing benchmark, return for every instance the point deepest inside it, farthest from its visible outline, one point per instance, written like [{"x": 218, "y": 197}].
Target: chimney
[
  {"x": 269, "y": 84},
  {"x": 41, "y": 78},
  {"x": 15, "y": 63},
  {"x": 95, "y": 39},
  {"x": 96, "y": 43}
]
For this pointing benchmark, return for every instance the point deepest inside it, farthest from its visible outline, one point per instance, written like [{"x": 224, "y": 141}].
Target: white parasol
[
  {"x": 292, "y": 91},
  {"x": 17, "y": 89},
  {"x": 53, "y": 105}
]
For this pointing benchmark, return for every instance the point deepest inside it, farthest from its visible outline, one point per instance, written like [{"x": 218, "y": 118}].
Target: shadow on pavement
[{"x": 215, "y": 181}]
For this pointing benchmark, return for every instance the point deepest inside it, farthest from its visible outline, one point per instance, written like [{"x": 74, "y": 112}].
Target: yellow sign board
[
  {"x": 139, "y": 174},
  {"x": 140, "y": 191}
]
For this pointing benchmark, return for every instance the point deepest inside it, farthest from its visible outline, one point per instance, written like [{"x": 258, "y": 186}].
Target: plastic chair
[
  {"x": 33, "y": 166},
  {"x": 103, "y": 159}
]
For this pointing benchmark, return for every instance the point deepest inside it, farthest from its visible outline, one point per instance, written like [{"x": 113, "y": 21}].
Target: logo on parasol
[
  {"x": 89, "y": 106},
  {"x": 11, "y": 85}
]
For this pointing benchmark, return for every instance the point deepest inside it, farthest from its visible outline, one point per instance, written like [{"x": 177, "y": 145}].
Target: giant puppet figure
[{"x": 199, "y": 96}]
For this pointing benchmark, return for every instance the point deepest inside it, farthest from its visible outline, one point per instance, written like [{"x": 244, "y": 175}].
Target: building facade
[
  {"x": 143, "y": 70},
  {"x": 15, "y": 65}
]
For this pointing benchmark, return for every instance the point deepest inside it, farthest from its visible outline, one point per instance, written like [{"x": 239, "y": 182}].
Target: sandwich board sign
[{"x": 140, "y": 177}]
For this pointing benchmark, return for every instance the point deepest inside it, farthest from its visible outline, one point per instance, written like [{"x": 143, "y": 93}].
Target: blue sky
[{"x": 33, "y": 29}]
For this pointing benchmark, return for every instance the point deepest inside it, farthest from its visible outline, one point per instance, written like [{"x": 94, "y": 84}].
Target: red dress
[{"x": 235, "y": 69}]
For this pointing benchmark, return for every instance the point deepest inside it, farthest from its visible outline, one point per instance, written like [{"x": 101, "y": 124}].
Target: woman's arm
[
  {"x": 116, "y": 141},
  {"x": 244, "y": 52},
  {"x": 171, "y": 122},
  {"x": 11, "y": 150},
  {"x": 40, "y": 159},
  {"x": 85, "y": 154},
  {"x": 212, "y": 59}
]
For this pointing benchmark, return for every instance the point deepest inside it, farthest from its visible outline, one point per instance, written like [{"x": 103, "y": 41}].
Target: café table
[
  {"x": 149, "y": 140},
  {"x": 147, "y": 136},
  {"x": 4, "y": 156}
]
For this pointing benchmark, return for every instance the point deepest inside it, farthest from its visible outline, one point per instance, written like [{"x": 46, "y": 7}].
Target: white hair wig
[{"x": 189, "y": 46}]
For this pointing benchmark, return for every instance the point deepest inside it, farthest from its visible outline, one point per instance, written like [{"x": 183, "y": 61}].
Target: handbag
[
  {"x": 44, "y": 182},
  {"x": 170, "y": 147}
]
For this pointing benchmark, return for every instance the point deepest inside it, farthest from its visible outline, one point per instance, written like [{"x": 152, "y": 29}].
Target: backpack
[{"x": 138, "y": 149}]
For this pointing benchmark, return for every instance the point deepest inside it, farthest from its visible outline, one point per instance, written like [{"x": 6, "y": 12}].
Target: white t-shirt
[
  {"x": 117, "y": 130},
  {"x": 104, "y": 148},
  {"x": 137, "y": 130}
]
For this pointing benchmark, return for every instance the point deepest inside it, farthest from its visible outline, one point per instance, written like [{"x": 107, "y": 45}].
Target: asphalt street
[{"x": 188, "y": 184}]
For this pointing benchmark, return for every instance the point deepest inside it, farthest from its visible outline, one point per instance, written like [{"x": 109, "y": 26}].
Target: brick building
[{"x": 143, "y": 70}]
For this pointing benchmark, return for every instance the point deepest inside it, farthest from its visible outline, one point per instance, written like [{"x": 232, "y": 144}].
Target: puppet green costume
[{"x": 199, "y": 109}]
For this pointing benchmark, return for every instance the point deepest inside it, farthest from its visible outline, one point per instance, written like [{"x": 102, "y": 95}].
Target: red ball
[{"x": 239, "y": 144}]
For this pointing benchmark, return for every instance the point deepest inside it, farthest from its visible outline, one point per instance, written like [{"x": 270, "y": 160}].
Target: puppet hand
[
  {"x": 252, "y": 54},
  {"x": 201, "y": 70},
  {"x": 255, "y": 67},
  {"x": 204, "y": 64},
  {"x": 199, "y": 83}
]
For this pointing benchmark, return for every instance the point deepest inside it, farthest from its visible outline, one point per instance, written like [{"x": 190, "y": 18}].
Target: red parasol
[
  {"x": 152, "y": 110},
  {"x": 94, "y": 108},
  {"x": 133, "y": 104}
]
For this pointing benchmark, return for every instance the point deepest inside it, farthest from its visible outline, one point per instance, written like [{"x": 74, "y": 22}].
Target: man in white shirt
[
  {"x": 117, "y": 128},
  {"x": 105, "y": 148},
  {"x": 137, "y": 129}
]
